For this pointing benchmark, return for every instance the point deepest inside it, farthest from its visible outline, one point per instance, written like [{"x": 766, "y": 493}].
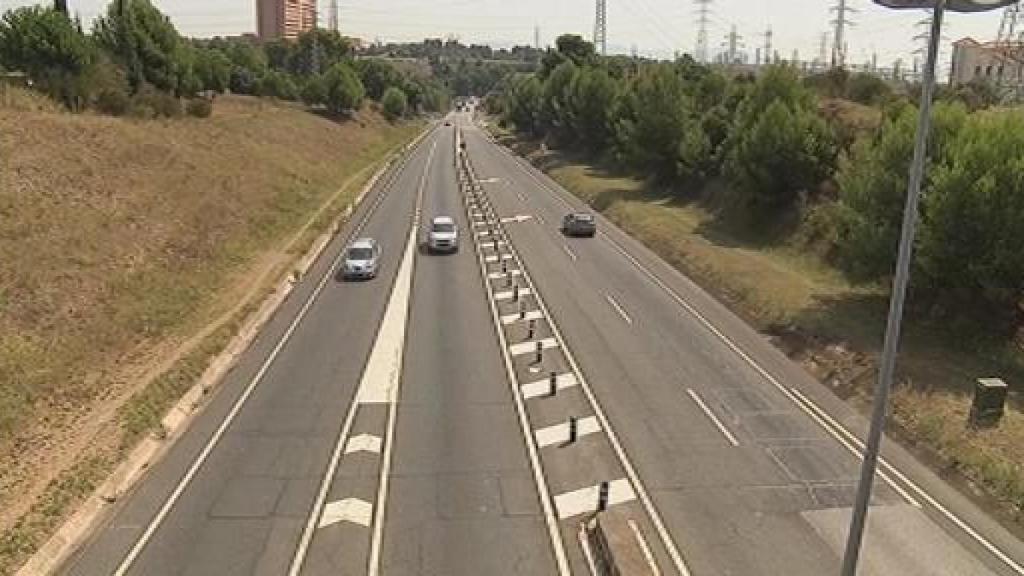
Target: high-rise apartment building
[{"x": 284, "y": 18}]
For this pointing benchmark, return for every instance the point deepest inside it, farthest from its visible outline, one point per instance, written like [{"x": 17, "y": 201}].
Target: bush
[
  {"x": 199, "y": 107},
  {"x": 155, "y": 104},
  {"x": 113, "y": 102},
  {"x": 314, "y": 91},
  {"x": 394, "y": 103},
  {"x": 867, "y": 89},
  {"x": 344, "y": 90}
]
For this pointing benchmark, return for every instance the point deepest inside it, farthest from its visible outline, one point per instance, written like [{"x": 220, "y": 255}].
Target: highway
[{"x": 406, "y": 425}]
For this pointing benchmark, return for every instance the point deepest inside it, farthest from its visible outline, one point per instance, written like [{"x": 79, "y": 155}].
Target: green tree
[
  {"x": 143, "y": 41},
  {"x": 276, "y": 84},
  {"x": 867, "y": 89},
  {"x": 213, "y": 69},
  {"x": 377, "y": 76},
  {"x": 651, "y": 122},
  {"x": 555, "y": 112},
  {"x": 344, "y": 89},
  {"x": 524, "y": 104},
  {"x": 394, "y": 103},
  {"x": 972, "y": 238},
  {"x": 314, "y": 91},
  {"x": 593, "y": 96},
  {"x": 779, "y": 146},
  {"x": 568, "y": 47}
]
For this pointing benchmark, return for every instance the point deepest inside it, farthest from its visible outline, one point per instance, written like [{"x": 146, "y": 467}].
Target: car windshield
[
  {"x": 584, "y": 217},
  {"x": 360, "y": 253},
  {"x": 444, "y": 227}
]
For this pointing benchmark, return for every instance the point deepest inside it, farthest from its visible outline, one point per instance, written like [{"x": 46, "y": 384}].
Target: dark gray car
[{"x": 579, "y": 224}]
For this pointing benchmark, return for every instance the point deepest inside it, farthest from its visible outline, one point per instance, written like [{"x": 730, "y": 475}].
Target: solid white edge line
[
  {"x": 588, "y": 554},
  {"x": 544, "y": 493},
  {"x": 641, "y": 491},
  {"x": 197, "y": 464},
  {"x": 618, "y": 308},
  {"x": 379, "y": 509},
  {"x": 950, "y": 516},
  {"x": 711, "y": 416},
  {"x": 644, "y": 547},
  {"x": 332, "y": 467}
]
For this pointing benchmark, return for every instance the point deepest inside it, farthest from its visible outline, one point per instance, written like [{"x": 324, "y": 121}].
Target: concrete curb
[{"x": 63, "y": 543}]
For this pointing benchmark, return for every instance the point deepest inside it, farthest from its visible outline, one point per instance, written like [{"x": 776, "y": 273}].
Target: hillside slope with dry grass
[{"x": 123, "y": 244}]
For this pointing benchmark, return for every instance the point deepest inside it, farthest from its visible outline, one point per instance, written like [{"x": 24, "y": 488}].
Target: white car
[
  {"x": 362, "y": 259},
  {"x": 443, "y": 235}
]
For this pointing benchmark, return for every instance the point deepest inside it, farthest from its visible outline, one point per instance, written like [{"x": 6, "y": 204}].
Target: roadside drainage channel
[{"x": 591, "y": 488}]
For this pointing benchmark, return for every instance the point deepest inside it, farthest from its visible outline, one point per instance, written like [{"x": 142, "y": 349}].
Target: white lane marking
[
  {"x": 493, "y": 244},
  {"x": 645, "y": 498},
  {"x": 619, "y": 309},
  {"x": 587, "y": 552},
  {"x": 502, "y": 275},
  {"x": 363, "y": 443},
  {"x": 544, "y": 492},
  {"x": 136, "y": 549},
  {"x": 543, "y": 387},
  {"x": 495, "y": 257},
  {"x": 507, "y": 294},
  {"x": 517, "y": 218},
  {"x": 513, "y": 318},
  {"x": 559, "y": 433},
  {"x": 541, "y": 219},
  {"x": 480, "y": 223},
  {"x": 584, "y": 500},
  {"x": 569, "y": 252},
  {"x": 476, "y": 214},
  {"x": 351, "y": 510},
  {"x": 714, "y": 419},
  {"x": 332, "y": 466},
  {"x": 921, "y": 493},
  {"x": 530, "y": 346},
  {"x": 644, "y": 547},
  {"x": 488, "y": 180},
  {"x": 377, "y": 538}
]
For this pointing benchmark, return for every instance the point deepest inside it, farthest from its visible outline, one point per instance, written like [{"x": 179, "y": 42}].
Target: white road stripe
[
  {"x": 165, "y": 509},
  {"x": 559, "y": 433},
  {"x": 363, "y": 443},
  {"x": 714, "y": 419},
  {"x": 618, "y": 309},
  {"x": 502, "y": 275},
  {"x": 494, "y": 258},
  {"x": 351, "y": 510},
  {"x": 513, "y": 318},
  {"x": 584, "y": 500},
  {"x": 530, "y": 346},
  {"x": 507, "y": 294},
  {"x": 572, "y": 255},
  {"x": 543, "y": 387}
]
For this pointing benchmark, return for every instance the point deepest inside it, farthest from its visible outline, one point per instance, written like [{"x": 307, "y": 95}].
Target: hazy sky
[{"x": 656, "y": 27}]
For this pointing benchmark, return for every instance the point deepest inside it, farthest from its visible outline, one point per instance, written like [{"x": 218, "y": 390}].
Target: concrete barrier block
[{"x": 616, "y": 544}]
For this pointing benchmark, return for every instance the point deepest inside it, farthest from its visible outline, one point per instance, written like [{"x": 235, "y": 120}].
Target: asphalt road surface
[{"x": 405, "y": 425}]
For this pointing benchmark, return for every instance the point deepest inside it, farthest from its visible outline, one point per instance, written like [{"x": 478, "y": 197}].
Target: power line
[
  {"x": 732, "y": 45},
  {"x": 601, "y": 27},
  {"x": 703, "y": 13}
]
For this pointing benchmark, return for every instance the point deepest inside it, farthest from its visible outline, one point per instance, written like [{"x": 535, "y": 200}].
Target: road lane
[
  {"x": 462, "y": 499},
  {"x": 766, "y": 506},
  {"x": 243, "y": 510}
]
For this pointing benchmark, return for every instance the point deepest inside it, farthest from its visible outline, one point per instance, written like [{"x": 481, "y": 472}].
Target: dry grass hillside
[{"x": 128, "y": 250}]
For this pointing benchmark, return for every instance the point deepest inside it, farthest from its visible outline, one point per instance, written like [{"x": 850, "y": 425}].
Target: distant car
[
  {"x": 447, "y": 123},
  {"x": 362, "y": 259},
  {"x": 579, "y": 224},
  {"x": 443, "y": 235}
]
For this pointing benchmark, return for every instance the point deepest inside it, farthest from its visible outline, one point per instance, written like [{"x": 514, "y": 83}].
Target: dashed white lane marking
[
  {"x": 351, "y": 510},
  {"x": 493, "y": 244},
  {"x": 489, "y": 180},
  {"x": 517, "y": 218},
  {"x": 500, "y": 275},
  {"x": 494, "y": 257},
  {"x": 477, "y": 214},
  {"x": 559, "y": 433},
  {"x": 363, "y": 443},
  {"x": 569, "y": 252},
  {"x": 543, "y": 387},
  {"x": 711, "y": 416},
  {"x": 619, "y": 309},
  {"x": 584, "y": 500},
  {"x": 530, "y": 346},
  {"x": 513, "y": 318},
  {"x": 541, "y": 219},
  {"x": 480, "y": 223},
  {"x": 507, "y": 294},
  {"x": 483, "y": 233}
]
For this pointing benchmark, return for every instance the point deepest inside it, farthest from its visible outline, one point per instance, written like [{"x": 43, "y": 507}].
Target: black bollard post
[
  {"x": 573, "y": 429},
  {"x": 540, "y": 352},
  {"x": 553, "y": 384},
  {"x": 602, "y": 497}
]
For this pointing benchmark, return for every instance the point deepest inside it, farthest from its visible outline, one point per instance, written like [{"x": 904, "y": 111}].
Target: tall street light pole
[{"x": 902, "y": 277}]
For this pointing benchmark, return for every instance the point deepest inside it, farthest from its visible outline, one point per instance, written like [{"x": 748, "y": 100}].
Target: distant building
[
  {"x": 284, "y": 18},
  {"x": 998, "y": 63}
]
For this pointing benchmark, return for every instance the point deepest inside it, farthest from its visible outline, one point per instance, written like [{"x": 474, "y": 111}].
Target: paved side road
[{"x": 748, "y": 458}]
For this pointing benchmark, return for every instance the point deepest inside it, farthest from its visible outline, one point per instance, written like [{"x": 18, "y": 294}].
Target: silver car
[
  {"x": 362, "y": 258},
  {"x": 443, "y": 235}
]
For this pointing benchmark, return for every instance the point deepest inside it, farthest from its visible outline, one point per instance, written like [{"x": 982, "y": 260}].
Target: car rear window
[
  {"x": 584, "y": 217},
  {"x": 360, "y": 253},
  {"x": 444, "y": 227}
]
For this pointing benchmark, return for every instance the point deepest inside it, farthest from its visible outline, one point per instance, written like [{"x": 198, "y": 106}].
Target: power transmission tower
[
  {"x": 840, "y": 23},
  {"x": 60, "y": 6},
  {"x": 823, "y": 50},
  {"x": 601, "y": 27},
  {"x": 768, "y": 45},
  {"x": 536, "y": 37},
  {"x": 732, "y": 45},
  {"x": 332, "y": 16},
  {"x": 703, "y": 19}
]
